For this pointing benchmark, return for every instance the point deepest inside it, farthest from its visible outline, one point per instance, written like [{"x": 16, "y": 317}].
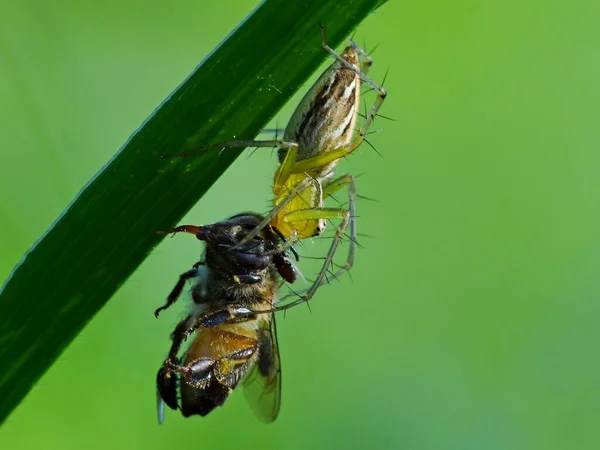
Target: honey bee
[
  {"x": 234, "y": 292},
  {"x": 319, "y": 134}
]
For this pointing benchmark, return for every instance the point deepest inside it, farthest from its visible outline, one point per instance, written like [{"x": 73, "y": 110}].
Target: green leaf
[{"x": 110, "y": 227}]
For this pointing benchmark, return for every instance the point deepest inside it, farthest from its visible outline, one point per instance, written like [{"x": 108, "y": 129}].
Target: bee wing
[
  {"x": 262, "y": 384},
  {"x": 160, "y": 408}
]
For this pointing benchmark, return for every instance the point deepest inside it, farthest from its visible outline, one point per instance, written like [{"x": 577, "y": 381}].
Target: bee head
[{"x": 224, "y": 251}]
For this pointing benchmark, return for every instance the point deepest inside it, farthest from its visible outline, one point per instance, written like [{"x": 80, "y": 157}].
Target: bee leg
[
  {"x": 213, "y": 319},
  {"x": 231, "y": 368},
  {"x": 166, "y": 380},
  {"x": 196, "y": 374},
  {"x": 176, "y": 292},
  {"x": 285, "y": 267},
  {"x": 230, "y": 315},
  {"x": 178, "y": 336},
  {"x": 190, "y": 324},
  {"x": 209, "y": 382},
  {"x": 199, "y": 373}
]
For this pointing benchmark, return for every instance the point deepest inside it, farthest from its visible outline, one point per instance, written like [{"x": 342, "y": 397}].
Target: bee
[
  {"x": 319, "y": 134},
  {"x": 234, "y": 292}
]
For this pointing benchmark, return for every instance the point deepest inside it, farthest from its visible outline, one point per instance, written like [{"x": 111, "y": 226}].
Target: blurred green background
[{"x": 471, "y": 320}]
